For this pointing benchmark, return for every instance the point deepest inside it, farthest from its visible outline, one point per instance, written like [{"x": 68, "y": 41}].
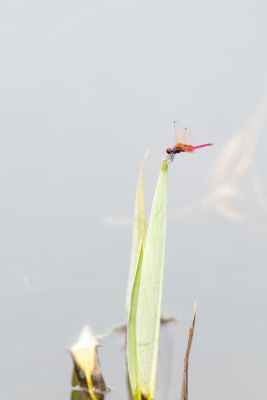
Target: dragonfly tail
[{"x": 197, "y": 147}]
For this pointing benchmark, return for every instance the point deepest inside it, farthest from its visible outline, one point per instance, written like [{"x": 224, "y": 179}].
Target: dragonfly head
[{"x": 169, "y": 151}]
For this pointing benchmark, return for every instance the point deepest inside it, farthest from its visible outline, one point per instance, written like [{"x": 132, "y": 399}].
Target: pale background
[{"x": 86, "y": 88}]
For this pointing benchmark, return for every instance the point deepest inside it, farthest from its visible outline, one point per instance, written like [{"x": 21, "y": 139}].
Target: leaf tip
[{"x": 164, "y": 167}]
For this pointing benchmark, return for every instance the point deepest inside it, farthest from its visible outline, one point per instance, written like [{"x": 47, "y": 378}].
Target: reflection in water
[
  {"x": 235, "y": 163},
  {"x": 84, "y": 395},
  {"x": 233, "y": 167},
  {"x": 165, "y": 361}
]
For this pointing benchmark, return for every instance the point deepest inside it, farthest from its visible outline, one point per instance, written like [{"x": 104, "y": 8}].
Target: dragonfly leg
[{"x": 169, "y": 158}]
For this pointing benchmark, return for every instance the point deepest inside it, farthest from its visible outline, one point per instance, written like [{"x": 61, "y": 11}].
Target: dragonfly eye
[{"x": 168, "y": 151}]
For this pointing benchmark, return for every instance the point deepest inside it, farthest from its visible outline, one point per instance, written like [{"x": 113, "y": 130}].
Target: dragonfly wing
[
  {"x": 187, "y": 137},
  {"x": 178, "y": 132}
]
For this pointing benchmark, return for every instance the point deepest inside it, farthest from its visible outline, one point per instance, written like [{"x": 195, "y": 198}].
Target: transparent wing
[
  {"x": 187, "y": 137},
  {"x": 178, "y": 132}
]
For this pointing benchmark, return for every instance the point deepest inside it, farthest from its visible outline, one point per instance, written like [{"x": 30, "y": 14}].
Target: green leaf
[
  {"x": 150, "y": 292},
  {"x": 133, "y": 368},
  {"x": 138, "y": 232}
]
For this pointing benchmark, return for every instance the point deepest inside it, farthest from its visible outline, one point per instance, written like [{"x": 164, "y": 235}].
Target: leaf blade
[
  {"x": 133, "y": 366},
  {"x": 150, "y": 293},
  {"x": 139, "y": 230}
]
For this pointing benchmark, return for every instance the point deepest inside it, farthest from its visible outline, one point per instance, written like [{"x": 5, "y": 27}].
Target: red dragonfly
[{"x": 184, "y": 142}]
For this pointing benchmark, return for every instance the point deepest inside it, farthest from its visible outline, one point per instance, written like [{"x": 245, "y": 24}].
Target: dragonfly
[{"x": 184, "y": 142}]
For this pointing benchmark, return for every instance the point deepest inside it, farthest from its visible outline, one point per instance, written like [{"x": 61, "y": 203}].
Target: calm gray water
[{"x": 86, "y": 88}]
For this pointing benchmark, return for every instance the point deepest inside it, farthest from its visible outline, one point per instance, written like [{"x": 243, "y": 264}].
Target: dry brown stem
[{"x": 184, "y": 392}]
